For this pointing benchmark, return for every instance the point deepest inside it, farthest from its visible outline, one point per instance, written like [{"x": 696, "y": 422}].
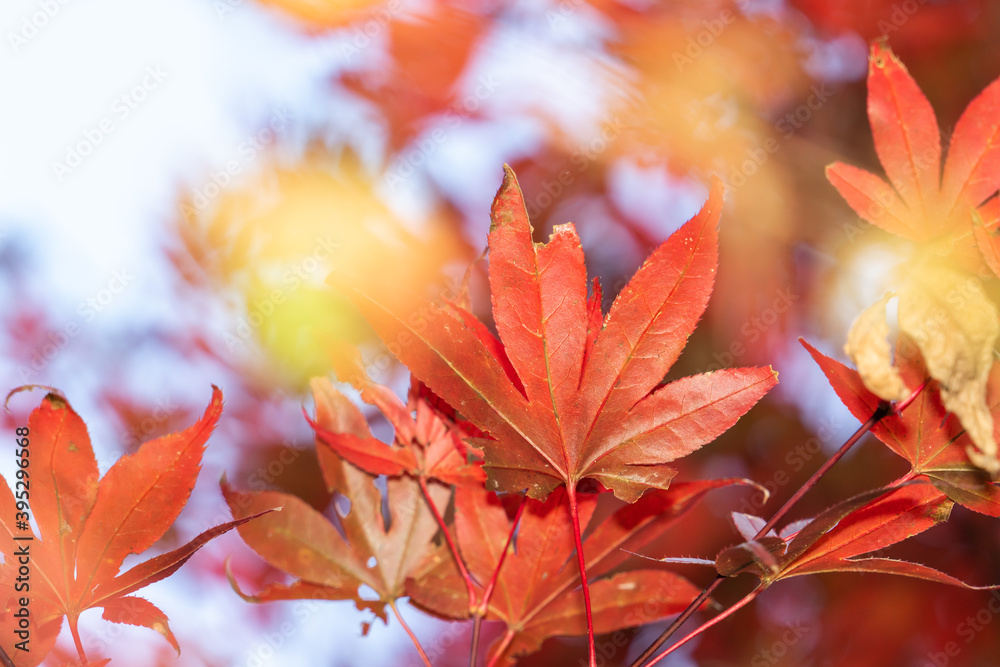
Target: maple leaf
[
  {"x": 537, "y": 593},
  {"x": 418, "y": 86},
  {"x": 922, "y": 202},
  {"x": 428, "y": 445},
  {"x": 955, "y": 326},
  {"x": 87, "y": 526},
  {"x": 868, "y": 347},
  {"x": 925, "y": 434},
  {"x": 833, "y": 540},
  {"x": 567, "y": 394},
  {"x": 329, "y": 564}
]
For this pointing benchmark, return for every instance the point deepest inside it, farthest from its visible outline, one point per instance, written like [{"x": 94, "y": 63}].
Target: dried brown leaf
[
  {"x": 869, "y": 349},
  {"x": 954, "y": 324}
]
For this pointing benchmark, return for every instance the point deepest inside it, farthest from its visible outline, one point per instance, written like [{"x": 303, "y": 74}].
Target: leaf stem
[
  {"x": 902, "y": 405},
  {"x": 502, "y": 646},
  {"x": 678, "y": 622},
  {"x": 575, "y": 517},
  {"x": 72, "y": 618},
  {"x": 5, "y": 659},
  {"x": 469, "y": 586},
  {"x": 413, "y": 637},
  {"x": 477, "y": 626},
  {"x": 483, "y": 607},
  {"x": 709, "y": 623},
  {"x": 883, "y": 410}
]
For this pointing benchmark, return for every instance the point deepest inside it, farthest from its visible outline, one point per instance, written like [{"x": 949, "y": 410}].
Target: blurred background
[{"x": 178, "y": 178}]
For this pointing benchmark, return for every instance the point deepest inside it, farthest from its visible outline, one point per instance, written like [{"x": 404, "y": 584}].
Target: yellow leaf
[
  {"x": 950, "y": 318},
  {"x": 869, "y": 349}
]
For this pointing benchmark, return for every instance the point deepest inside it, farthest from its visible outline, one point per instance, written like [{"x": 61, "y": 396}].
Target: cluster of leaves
[
  {"x": 566, "y": 394},
  {"x": 568, "y": 402},
  {"x": 941, "y": 475},
  {"x": 943, "y": 364},
  {"x": 507, "y": 444},
  {"x": 566, "y": 399},
  {"x": 948, "y": 214}
]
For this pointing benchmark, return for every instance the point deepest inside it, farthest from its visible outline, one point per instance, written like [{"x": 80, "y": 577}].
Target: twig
[
  {"x": 481, "y": 610},
  {"x": 575, "y": 517},
  {"x": 413, "y": 637},
  {"x": 709, "y": 623},
  {"x": 883, "y": 410},
  {"x": 469, "y": 586},
  {"x": 76, "y": 639},
  {"x": 502, "y": 646}
]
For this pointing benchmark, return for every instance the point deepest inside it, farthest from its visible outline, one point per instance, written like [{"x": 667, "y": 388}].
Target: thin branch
[
  {"x": 678, "y": 622},
  {"x": 902, "y": 405},
  {"x": 575, "y": 516},
  {"x": 882, "y": 411},
  {"x": 709, "y": 623},
  {"x": 5, "y": 659},
  {"x": 469, "y": 586},
  {"x": 477, "y": 626},
  {"x": 502, "y": 646},
  {"x": 879, "y": 413},
  {"x": 413, "y": 637},
  {"x": 76, "y": 639},
  {"x": 488, "y": 593}
]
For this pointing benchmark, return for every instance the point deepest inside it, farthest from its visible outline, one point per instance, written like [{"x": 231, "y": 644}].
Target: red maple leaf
[
  {"x": 426, "y": 444},
  {"x": 87, "y": 526},
  {"x": 923, "y": 202},
  {"x": 925, "y": 434},
  {"x": 834, "y": 540},
  {"x": 332, "y": 558},
  {"x": 568, "y": 394}
]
